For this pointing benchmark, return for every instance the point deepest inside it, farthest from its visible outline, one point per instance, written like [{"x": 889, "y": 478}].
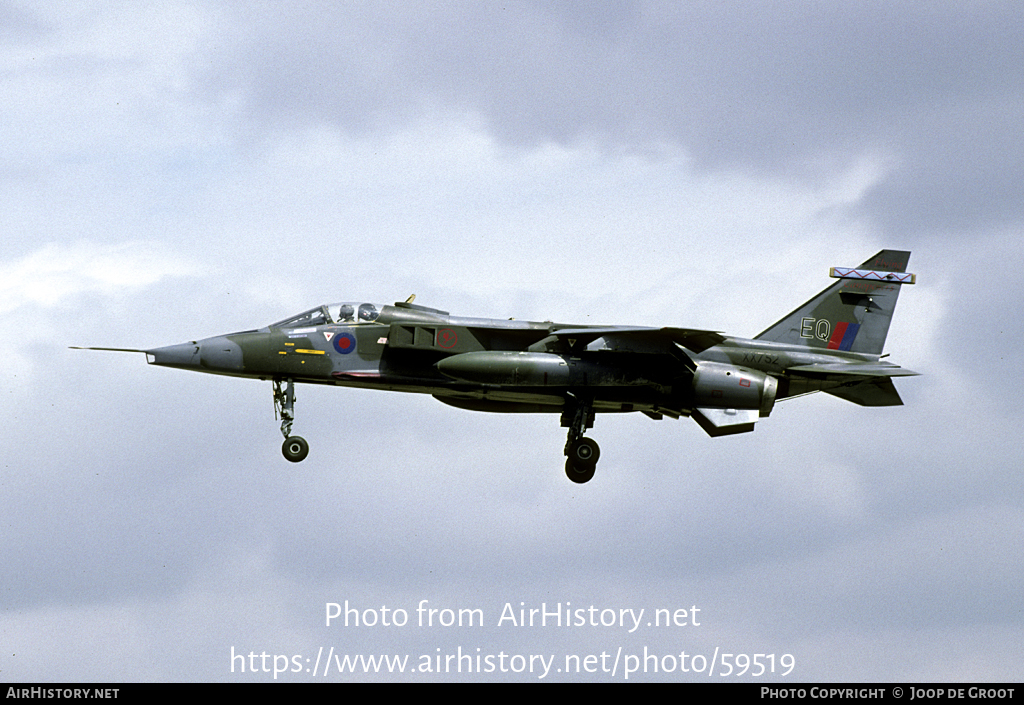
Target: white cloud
[{"x": 54, "y": 275}]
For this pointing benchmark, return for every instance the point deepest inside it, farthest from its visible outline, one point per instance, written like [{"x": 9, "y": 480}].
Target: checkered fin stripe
[{"x": 872, "y": 275}]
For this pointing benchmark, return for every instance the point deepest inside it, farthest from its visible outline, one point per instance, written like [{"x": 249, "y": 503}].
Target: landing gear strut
[
  {"x": 295, "y": 448},
  {"x": 581, "y": 453}
]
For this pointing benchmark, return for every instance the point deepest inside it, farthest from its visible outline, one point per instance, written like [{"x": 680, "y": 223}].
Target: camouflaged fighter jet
[{"x": 832, "y": 344}]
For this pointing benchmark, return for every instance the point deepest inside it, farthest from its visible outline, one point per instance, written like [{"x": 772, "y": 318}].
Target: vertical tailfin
[{"x": 851, "y": 315}]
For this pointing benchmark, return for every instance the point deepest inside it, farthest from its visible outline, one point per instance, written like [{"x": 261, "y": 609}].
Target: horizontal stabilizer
[
  {"x": 875, "y": 392},
  {"x": 854, "y": 369}
]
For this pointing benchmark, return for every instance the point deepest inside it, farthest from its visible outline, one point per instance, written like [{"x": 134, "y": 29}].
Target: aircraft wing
[{"x": 690, "y": 338}]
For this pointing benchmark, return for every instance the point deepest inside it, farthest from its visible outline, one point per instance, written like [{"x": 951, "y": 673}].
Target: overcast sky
[{"x": 176, "y": 170}]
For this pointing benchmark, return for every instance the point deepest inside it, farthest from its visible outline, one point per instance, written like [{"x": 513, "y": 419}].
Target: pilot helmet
[{"x": 368, "y": 312}]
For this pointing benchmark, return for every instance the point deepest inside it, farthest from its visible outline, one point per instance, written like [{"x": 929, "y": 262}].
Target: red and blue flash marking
[
  {"x": 344, "y": 343},
  {"x": 843, "y": 336}
]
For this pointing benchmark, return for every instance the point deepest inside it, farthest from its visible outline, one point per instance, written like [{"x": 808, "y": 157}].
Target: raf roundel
[{"x": 344, "y": 343}]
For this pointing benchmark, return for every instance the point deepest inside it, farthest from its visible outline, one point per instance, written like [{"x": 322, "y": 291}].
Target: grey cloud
[
  {"x": 763, "y": 86},
  {"x": 289, "y": 154}
]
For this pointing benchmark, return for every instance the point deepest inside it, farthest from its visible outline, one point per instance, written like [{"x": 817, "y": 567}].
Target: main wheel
[
  {"x": 579, "y": 473},
  {"x": 295, "y": 449},
  {"x": 583, "y": 452}
]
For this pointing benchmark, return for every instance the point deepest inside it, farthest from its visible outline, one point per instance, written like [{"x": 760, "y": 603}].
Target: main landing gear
[
  {"x": 581, "y": 453},
  {"x": 295, "y": 448}
]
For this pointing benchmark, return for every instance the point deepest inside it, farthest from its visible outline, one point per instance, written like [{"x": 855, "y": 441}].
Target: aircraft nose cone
[
  {"x": 213, "y": 354},
  {"x": 184, "y": 355}
]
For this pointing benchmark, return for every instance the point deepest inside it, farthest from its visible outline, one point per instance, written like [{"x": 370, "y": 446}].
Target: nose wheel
[{"x": 295, "y": 448}]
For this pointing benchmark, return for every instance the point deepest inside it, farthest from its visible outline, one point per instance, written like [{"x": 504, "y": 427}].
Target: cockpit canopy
[{"x": 346, "y": 313}]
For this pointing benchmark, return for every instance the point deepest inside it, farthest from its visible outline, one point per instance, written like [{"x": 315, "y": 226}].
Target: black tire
[
  {"x": 295, "y": 449},
  {"x": 579, "y": 473},
  {"x": 584, "y": 451}
]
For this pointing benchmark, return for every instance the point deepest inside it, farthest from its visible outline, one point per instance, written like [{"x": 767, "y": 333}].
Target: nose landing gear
[{"x": 295, "y": 448}]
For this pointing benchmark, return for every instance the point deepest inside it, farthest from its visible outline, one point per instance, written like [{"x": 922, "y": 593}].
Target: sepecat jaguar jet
[{"x": 832, "y": 344}]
